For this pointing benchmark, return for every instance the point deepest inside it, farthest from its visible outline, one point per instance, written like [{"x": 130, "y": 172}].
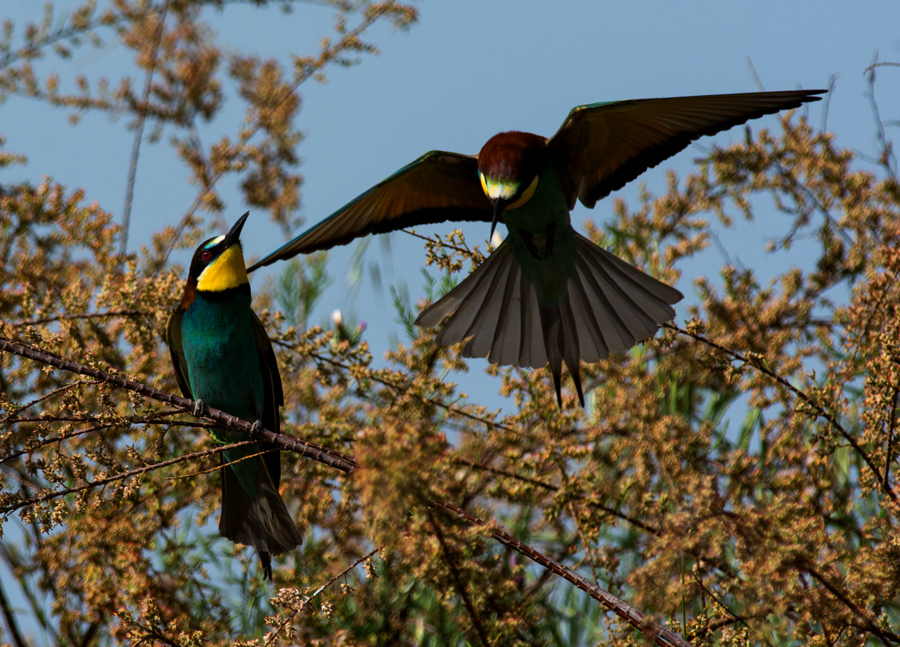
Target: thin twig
[
  {"x": 892, "y": 426},
  {"x": 328, "y": 54},
  {"x": 887, "y": 637},
  {"x": 139, "y": 131},
  {"x": 10, "y": 620},
  {"x": 406, "y": 390},
  {"x": 466, "y": 251},
  {"x": 818, "y": 408},
  {"x": 46, "y": 396},
  {"x": 117, "y": 477},
  {"x": 458, "y": 583},
  {"x": 86, "y": 315},
  {"x": 315, "y": 593},
  {"x": 636, "y": 618},
  {"x": 305, "y": 448}
]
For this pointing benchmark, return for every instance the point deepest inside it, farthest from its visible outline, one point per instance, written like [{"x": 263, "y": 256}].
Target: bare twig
[
  {"x": 316, "y": 593},
  {"x": 636, "y": 618},
  {"x": 139, "y": 131},
  {"x": 820, "y": 410},
  {"x": 458, "y": 583},
  {"x": 406, "y": 390},
  {"x": 86, "y": 315}
]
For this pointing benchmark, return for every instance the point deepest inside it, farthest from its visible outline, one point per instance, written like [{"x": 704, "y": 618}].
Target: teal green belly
[{"x": 224, "y": 371}]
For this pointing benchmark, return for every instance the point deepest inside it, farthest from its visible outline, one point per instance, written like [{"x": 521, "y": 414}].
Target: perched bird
[
  {"x": 223, "y": 358},
  {"x": 546, "y": 294}
]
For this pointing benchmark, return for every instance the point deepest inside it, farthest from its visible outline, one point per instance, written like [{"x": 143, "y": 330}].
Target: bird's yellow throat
[{"x": 226, "y": 272}]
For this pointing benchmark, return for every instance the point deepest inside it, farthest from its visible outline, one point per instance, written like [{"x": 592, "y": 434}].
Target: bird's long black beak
[
  {"x": 234, "y": 236},
  {"x": 498, "y": 209}
]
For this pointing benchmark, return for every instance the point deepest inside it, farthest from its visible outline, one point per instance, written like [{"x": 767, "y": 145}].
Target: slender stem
[
  {"x": 820, "y": 410},
  {"x": 139, "y": 132},
  {"x": 10, "y": 620},
  {"x": 316, "y": 593},
  {"x": 636, "y": 618},
  {"x": 302, "y": 447},
  {"x": 458, "y": 583}
]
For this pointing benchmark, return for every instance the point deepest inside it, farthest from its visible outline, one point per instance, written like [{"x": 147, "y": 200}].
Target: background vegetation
[{"x": 734, "y": 478}]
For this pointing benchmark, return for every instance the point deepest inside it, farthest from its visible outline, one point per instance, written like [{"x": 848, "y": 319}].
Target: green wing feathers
[{"x": 602, "y": 146}]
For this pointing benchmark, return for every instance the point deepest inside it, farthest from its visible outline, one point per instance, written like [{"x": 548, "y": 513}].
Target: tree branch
[
  {"x": 310, "y": 450},
  {"x": 813, "y": 404},
  {"x": 458, "y": 583}
]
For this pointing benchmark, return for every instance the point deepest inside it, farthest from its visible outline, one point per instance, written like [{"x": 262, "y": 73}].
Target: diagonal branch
[
  {"x": 115, "y": 477},
  {"x": 405, "y": 389},
  {"x": 819, "y": 409},
  {"x": 458, "y": 583},
  {"x": 304, "y": 448},
  {"x": 636, "y": 618}
]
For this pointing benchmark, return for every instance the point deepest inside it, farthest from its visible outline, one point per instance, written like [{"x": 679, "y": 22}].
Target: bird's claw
[
  {"x": 199, "y": 408},
  {"x": 256, "y": 429}
]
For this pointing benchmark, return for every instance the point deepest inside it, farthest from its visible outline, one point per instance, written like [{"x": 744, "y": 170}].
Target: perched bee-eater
[
  {"x": 223, "y": 357},
  {"x": 547, "y": 294}
]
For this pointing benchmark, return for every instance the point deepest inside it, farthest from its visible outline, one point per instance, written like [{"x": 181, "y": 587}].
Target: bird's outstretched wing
[
  {"x": 602, "y": 146},
  {"x": 437, "y": 187}
]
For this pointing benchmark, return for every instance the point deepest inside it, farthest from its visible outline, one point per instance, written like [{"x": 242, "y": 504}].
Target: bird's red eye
[{"x": 205, "y": 255}]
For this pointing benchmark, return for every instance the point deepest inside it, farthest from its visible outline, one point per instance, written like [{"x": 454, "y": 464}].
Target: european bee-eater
[
  {"x": 547, "y": 294},
  {"x": 223, "y": 357}
]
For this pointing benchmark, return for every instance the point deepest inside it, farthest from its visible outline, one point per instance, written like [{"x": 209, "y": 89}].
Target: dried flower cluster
[{"x": 734, "y": 479}]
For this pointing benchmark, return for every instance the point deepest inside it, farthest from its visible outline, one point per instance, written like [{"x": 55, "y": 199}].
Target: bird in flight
[{"x": 546, "y": 295}]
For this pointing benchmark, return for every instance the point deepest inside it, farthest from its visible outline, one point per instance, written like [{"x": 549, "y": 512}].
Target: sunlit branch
[
  {"x": 115, "y": 477},
  {"x": 887, "y": 637},
  {"x": 316, "y": 593},
  {"x": 405, "y": 389},
  {"x": 634, "y": 617},
  {"x": 86, "y": 315},
  {"x": 305, "y": 448},
  {"x": 458, "y": 583}
]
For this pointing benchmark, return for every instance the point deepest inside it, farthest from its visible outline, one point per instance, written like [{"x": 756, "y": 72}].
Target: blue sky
[{"x": 467, "y": 70}]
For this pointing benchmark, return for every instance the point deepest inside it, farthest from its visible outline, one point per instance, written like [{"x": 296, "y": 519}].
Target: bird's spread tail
[
  {"x": 609, "y": 307},
  {"x": 261, "y": 521}
]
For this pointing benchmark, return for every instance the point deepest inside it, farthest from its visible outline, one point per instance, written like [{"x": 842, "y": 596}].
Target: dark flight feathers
[
  {"x": 603, "y": 146},
  {"x": 437, "y": 187},
  {"x": 599, "y": 148}
]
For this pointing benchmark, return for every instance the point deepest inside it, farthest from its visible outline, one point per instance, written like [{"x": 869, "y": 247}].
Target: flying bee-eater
[
  {"x": 546, "y": 295},
  {"x": 223, "y": 358}
]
